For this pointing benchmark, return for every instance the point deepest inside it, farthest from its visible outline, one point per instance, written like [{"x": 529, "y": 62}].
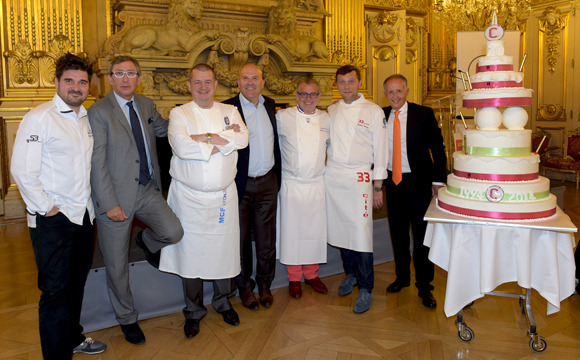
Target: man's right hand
[
  {"x": 117, "y": 214},
  {"x": 52, "y": 212}
]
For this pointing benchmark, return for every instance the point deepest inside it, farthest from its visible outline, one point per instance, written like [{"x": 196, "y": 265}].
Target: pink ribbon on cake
[
  {"x": 496, "y": 214},
  {"x": 514, "y": 101},
  {"x": 495, "y": 177},
  {"x": 486, "y": 68},
  {"x": 495, "y": 84}
]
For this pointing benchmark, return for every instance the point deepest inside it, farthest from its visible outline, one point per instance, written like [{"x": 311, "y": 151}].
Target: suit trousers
[
  {"x": 64, "y": 253},
  {"x": 193, "y": 293},
  {"x": 407, "y": 204},
  {"x": 258, "y": 212},
  {"x": 115, "y": 237}
]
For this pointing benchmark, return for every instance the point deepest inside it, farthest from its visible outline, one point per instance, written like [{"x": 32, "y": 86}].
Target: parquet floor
[{"x": 314, "y": 327}]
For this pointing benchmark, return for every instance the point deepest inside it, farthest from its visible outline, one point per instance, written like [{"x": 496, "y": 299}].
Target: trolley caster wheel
[
  {"x": 470, "y": 304},
  {"x": 468, "y": 336},
  {"x": 540, "y": 347},
  {"x": 522, "y": 306}
]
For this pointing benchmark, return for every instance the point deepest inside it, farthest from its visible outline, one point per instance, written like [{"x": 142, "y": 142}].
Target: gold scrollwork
[
  {"x": 550, "y": 112},
  {"x": 552, "y": 24},
  {"x": 384, "y": 53},
  {"x": 412, "y": 31},
  {"x": 410, "y": 56},
  {"x": 176, "y": 82},
  {"x": 385, "y": 26},
  {"x": 23, "y": 63}
]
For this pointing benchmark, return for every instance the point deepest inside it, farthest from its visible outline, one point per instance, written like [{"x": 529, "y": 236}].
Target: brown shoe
[
  {"x": 317, "y": 285},
  {"x": 266, "y": 298},
  {"x": 295, "y": 290},
  {"x": 249, "y": 300}
]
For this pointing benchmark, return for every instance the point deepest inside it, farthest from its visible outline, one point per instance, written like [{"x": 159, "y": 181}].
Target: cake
[{"x": 496, "y": 175}]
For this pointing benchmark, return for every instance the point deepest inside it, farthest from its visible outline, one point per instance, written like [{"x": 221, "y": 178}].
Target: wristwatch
[
  {"x": 377, "y": 189},
  {"x": 208, "y": 138}
]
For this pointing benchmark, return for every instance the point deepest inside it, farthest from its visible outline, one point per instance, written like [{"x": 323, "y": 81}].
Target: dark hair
[
  {"x": 347, "y": 69},
  {"x": 307, "y": 81},
  {"x": 202, "y": 67},
  {"x": 395, "y": 76},
  {"x": 121, "y": 59},
  {"x": 72, "y": 62}
]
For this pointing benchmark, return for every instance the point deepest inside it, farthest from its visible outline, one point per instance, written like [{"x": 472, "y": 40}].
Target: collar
[
  {"x": 63, "y": 108},
  {"x": 245, "y": 101},
  {"x": 302, "y": 111},
  {"x": 122, "y": 101},
  {"x": 360, "y": 99},
  {"x": 403, "y": 109}
]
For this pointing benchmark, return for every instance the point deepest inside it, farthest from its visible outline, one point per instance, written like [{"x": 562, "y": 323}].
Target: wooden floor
[{"x": 314, "y": 327}]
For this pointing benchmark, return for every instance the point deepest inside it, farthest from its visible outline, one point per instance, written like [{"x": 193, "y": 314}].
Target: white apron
[
  {"x": 349, "y": 206},
  {"x": 210, "y": 248},
  {"x": 301, "y": 221}
]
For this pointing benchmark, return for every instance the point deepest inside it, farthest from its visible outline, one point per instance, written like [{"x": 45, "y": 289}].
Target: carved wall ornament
[
  {"x": 176, "y": 82},
  {"x": 550, "y": 112},
  {"x": 410, "y": 56},
  {"x": 23, "y": 63},
  {"x": 412, "y": 31},
  {"x": 385, "y": 53},
  {"x": 404, "y": 4},
  {"x": 385, "y": 26},
  {"x": 552, "y": 24},
  {"x": 312, "y": 5}
]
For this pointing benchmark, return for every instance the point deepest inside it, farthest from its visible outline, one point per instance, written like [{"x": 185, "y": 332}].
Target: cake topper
[{"x": 494, "y": 31}]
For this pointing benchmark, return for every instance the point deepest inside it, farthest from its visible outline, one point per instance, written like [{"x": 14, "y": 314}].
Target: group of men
[{"x": 240, "y": 172}]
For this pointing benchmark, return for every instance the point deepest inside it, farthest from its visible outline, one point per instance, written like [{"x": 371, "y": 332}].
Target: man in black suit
[
  {"x": 258, "y": 181},
  {"x": 416, "y": 172}
]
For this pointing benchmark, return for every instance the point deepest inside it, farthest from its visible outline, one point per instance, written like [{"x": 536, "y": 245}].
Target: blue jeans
[
  {"x": 63, "y": 252},
  {"x": 359, "y": 264}
]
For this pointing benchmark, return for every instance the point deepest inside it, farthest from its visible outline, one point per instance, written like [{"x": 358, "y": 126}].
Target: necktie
[
  {"x": 144, "y": 175},
  {"x": 397, "y": 167}
]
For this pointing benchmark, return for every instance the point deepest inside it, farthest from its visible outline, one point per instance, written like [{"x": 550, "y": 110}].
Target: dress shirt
[
  {"x": 358, "y": 135},
  {"x": 192, "y": 162},
  {"x": 51, "y": 161},
  {"x": 123, "y": 104},
  {"x": 303, "y": 141},
  {"x": 261, "y": 137}
]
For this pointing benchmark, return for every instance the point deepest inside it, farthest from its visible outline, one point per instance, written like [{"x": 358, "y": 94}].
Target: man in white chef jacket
[
  {"x": 303, "y": 131},
  {"x": 205, "y": 136},
  {"x": 358, "y": 139}
]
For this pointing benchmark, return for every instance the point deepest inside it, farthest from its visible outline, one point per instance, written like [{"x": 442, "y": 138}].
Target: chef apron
[
  {"x": 349, "y": 206},
  {"x": 210, "y": 248}
]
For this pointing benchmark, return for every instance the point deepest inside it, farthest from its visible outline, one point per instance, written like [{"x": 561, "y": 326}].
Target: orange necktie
[{"x": 397, "y": 167}]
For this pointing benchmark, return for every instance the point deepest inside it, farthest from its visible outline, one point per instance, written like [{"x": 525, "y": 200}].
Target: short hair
[
  {"x": 395, "y": 76},
  {"x": 202, "y": 67},
  {"x": 307, "y": 81},
  {"x": 347, "y": 69},
  {"x": 72, "y": 62},
  {"x": 121, "y": 59}
]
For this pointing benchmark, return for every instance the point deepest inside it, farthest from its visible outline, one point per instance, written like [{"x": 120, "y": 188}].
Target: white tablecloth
[{"x": 478, "y": 258}]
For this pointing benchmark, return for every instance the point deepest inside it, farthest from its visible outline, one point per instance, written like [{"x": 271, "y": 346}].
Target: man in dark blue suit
[
  {"x": 258, "y": 181},
  {"x": 417, "y": 169}
]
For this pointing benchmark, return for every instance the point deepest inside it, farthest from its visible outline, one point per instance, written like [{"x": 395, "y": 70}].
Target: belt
[
  {"x": 405, "y": 175},
  {"x": 261, "y": 176}
]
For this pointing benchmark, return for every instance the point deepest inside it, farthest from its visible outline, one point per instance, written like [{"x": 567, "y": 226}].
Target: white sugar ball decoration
[
  {"x": 488, "y": 118},
  {"x": 515, "y": 118}
]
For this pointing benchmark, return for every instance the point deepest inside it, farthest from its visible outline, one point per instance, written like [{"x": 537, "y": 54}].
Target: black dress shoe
[
  {"x": 191, "y": 327},
  {"x": 396, "y": 286},
  {"x": 152, "y": 258},
  {"x": 427, "y": 299},
  {"x": 133, "y": 333},
  {"x": 231, "y": 317}
]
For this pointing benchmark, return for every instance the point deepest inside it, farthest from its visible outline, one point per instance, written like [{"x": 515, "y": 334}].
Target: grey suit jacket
[{"x": 115, "y": 162}]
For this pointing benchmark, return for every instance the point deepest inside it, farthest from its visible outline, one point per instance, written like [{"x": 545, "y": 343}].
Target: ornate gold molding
[
  {"x": 421, "y": 5},
  {"x": 552, "y": 24},
  {"x": 412, "y": 31},
  {"x": 384, "y": 26}
]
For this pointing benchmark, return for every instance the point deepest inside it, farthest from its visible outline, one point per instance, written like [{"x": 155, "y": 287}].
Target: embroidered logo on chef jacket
[
  {"x": 366, "y": 205},
  {"x": 384, "y": 123},
  {"x": 33, "y": 138},
  {"x": 324, "y": 129},
  {"x": 222, "y": 217},
  {"x": 227, "y": 121},
  {"x": 308, "y": 120},
  {"x": 364, "y": 124}
]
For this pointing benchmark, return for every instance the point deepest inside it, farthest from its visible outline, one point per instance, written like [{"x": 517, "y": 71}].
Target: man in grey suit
[{"x": 126, "y": 184}]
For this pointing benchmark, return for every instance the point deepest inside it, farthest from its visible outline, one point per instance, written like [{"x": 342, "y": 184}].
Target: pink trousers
[{"x": 295, "y": 272}]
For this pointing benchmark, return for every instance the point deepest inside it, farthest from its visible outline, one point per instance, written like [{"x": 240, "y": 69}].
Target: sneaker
[
  {"x": 347, "y": 284},
  {"x": 363, "y": 302},
  {"x": 90, "y": 346}
]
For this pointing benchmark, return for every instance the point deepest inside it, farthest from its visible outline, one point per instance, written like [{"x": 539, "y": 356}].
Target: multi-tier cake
[{"x": 496, "y": 175}]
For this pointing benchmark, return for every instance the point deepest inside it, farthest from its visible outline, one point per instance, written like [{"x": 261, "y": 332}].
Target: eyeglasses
[
  {"x": 304, "y": 95},
  {"x": 130, "y": 74}
]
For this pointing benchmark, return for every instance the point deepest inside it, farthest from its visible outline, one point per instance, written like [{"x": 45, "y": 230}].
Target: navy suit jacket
[
  {"x": 244, "y": 154},
  {"x": 425, "y": 148}
]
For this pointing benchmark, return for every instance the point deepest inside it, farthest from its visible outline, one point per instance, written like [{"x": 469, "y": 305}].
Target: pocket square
[{"x": 150, "y": 120}]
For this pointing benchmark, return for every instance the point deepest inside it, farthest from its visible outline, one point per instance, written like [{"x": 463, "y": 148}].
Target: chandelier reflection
[{"x": 476, "y": 15}]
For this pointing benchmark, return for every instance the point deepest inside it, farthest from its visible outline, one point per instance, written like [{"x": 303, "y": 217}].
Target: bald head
[{"x": 251, "y": 83}]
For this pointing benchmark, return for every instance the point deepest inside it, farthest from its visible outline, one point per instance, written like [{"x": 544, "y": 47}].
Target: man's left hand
[{"x": 378, "y": 199}]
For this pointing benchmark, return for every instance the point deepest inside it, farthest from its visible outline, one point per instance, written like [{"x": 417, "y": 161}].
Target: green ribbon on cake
[
  {"x": 538, "y": 195},
  {"x": 484, "y": 151}
]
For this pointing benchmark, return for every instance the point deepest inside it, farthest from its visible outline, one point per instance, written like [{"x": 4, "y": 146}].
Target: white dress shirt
[
  {"x": 261, "y": 137},
  {"x": 192, "y": 162},
  {"x": 403, "y": 121},
  {"x": 358, "y": 135},
  {"x": 51, "y": 161}
]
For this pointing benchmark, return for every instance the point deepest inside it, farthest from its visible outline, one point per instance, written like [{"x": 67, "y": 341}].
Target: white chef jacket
[
  {"x": 203, "y": 193},
  {"x": 192, "y": 163},
  {"x": 301, "y": 201},
  {"x": 51, "y": 161},
  {"x": 358, "y": 135}
]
